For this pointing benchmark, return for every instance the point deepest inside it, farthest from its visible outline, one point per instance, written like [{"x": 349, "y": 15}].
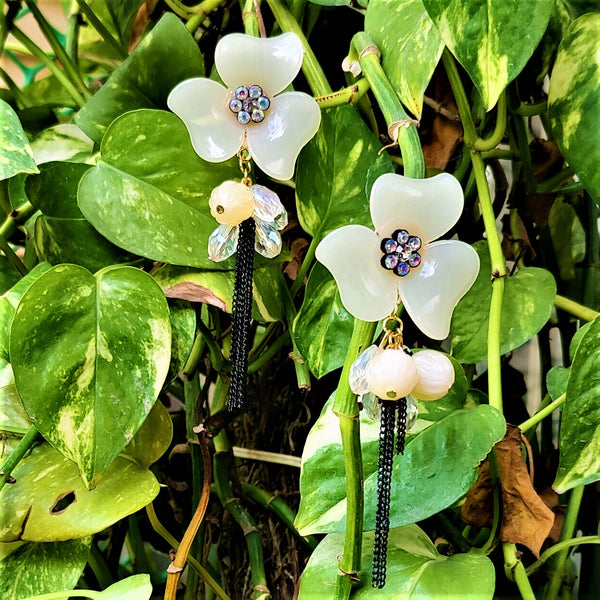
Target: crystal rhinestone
[
  {"x": 356, "y": 378},
  {"x": 414, "y": 260},
  {"x": 402, "y": 269},
  {"x": 389, "y": 245},
  {"x": 404, "y": 252},
  {"x": 414, "y": 243},
  {"x": 263, "y": 103},
  {"x": 257, "y": 115},
  {"x": 235, "y": 105},
  {"x": 255, "y": 91},
  {"x": 241, "y": 92},
  {"x": 247, "y": 105},
  {"x": 401, "y": 235},
  {"x": 243, "y": 117},
  {"x": 390, "y": 261}
]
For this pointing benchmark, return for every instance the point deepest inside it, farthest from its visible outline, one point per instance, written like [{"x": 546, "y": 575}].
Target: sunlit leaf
[{"x": 15, "y": 152}]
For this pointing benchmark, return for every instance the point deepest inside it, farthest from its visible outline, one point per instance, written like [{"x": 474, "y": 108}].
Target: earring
[{"x": 252, "y": 119}]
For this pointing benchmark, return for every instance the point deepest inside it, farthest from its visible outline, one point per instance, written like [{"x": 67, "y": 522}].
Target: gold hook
[
  {"x": 244, "y": 160},
  {"x": 392, "y": 337}
]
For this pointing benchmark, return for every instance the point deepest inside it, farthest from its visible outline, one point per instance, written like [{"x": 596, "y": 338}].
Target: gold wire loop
[
  {"x": 244, "y": 161},
  {"x": 392, "y": 336}
]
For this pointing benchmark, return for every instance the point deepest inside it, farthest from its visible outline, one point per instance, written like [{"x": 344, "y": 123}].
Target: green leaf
[
  {"x": 568, "y": 237},
  {"x": 579, "y": 441},
  {"x": 166, "y": 56},
  {"x": 556, "y": 381},
  {"x": 216, "y": 288},
  {"x": 332, "y": 170},
  {"x": 410, "y": 46},
  {"x": 183, "y": 333},
  {"x": 31, "y": 509},
  {"x": 574, "y": 100},
  {"x": 439, "y": 466},
  {"x": 117, "y": 15},
  {"x": 41, "y": 568},
  {"x": 576, "y": 339},
  {"x": 90, "y": 354},
  {"x": 322, "y": 328},
  {"x": 159, "y": 190},
  {"x": 526, "y": 307},
  {"x": 136, "y": 587},
  {"x": 492, "y": 40},
  {"x": 15, "y": 152},
  {"x": 62, "y": 142},
  {"x": 415, "y": 570}
]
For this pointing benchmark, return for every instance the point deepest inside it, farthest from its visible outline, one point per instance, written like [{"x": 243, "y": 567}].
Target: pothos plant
[{"x": 115, "y": 327}]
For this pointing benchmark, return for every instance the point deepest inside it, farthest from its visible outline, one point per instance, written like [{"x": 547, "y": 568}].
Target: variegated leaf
[
  {"x": 574, "y": 100},
  {"x": 90, "y": 354},
  {"x": 410, "y": 46},
  {"x": 15, "y": 153},
  {"x": 492, "y": 40}
]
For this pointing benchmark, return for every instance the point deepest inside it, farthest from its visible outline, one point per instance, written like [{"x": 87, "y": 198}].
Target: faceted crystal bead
[
  {"x": 268, "y": 207},
  {"x": 412, "y": 412},
  {"x": 222, "y": 242},
  {"x": 268, "y": 240},
  {"x": 356, "y": 378}
]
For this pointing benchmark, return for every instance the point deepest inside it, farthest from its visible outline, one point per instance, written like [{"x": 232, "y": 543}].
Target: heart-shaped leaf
[
  {"x": 57, "y": 506},
  {"x": 166, "y": 56},
  {"x": 492, "y": 40},
  {"x": 526, "y": 307},
  {"x": 158, "y": 188},
  {"x": 323, "y": 327},
  {"x": 579, "y": 441},
  {"x": 15, "y": 153},
  {"x": 574, "y": 100},
  {"x": 90, "y": 354},
  {"x": 40, "y": 568},
  {"x": 415, "y": 570},
  {"x": 410, "y": 46}
]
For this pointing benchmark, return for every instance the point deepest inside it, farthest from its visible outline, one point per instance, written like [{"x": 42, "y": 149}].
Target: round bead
[
  {"x": 231, "y": 203},
  {"x": 255, "y": 91},
  {"x": 435, "y": 375},
  {"x": 414, "y": 243},
  {"x": 235, "y": 105},
  {"x": 390, "y": 261},
  {"x": 402, "y": 269},
  {"x": 257, "y": 115},
  {"x": 263, "y": 103},
  {"x": 243, "y": 117},
  {"x": 241, "y": 92},
  {"x": 414, "y": 260},
  {"x": 389, "y": 245},
  {"x": 391, "y": 374},
  {"x": 401, "y": 235}
]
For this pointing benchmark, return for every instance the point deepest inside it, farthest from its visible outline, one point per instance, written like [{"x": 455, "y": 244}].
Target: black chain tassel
[
  {"x": 385, "y": 463},
  {"x": 401, "y": 425},
  {"x": 242, "y": 315}
]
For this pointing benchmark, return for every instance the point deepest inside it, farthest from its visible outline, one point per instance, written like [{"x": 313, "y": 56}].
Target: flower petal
[
  {"x": 291, "y": 121},
  {"x": 431, "y": 292},
  {"x": 353, "y": 256},
  {"x": 271, "y": 63},
  {"x": 223, "y": 242},
  {"x": 424, "y": 207},
  {"x": 202, "y": 105}
]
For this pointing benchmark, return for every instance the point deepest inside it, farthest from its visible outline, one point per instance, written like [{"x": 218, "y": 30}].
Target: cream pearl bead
[
  {"x": 391, "y": 374},
  {"x": 231, "y": 203},
  {"x": 436, "y": 375}
]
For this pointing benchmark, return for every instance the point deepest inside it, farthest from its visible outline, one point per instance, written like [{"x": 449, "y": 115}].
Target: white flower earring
[
  {"x": 253, "y": 119},
  {"x": 401, "y": 262}
]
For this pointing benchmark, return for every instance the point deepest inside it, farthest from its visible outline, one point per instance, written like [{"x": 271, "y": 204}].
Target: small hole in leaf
[{"x": 62, "y": 503}]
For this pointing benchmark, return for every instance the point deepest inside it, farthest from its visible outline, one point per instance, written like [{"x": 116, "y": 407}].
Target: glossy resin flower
[
  {"x": 400, "y": 260},
  {"x": 275, "y": 126},
  {"x": 233, "y": 202}
]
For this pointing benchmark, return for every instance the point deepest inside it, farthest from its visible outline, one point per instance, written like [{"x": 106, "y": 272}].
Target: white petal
[
  {"x": 353, "y": 256},
  {"x": 424, "y": 207},
  {"x": 202, "y": 105},
  {"x": 271, "y": 63},
  {"x": 290, "y": 122},
  {"x": 431, "y": 291}
]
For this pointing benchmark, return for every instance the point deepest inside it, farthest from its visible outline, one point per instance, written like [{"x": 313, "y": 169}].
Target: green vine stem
[
  {"x": 349, "y": 95},
  {"x": 346, "y": 408},
  {"x": 99, "y": 26},
  {"x": 26, "y": 443},
  {"x": 533, "y": 421},
  {"x": 50, "y": 64},
  {"x": 566, "y": 534},
  {"x": 516, "y": 571},
  {"x": 278, "y": 507},
  {"x": 489, "y": 143},
  {"x": 558, "y": 547},
  {"x": 401, "y": 127},
  {"x": 250, "y": 19},
  {"x": 164, "y": 533},
  {"x": 310, "y": 65},
  {"x": 269, "y": 353},
  {"x": 59, "y": 52},
  {"x": 574, "y": 308}
]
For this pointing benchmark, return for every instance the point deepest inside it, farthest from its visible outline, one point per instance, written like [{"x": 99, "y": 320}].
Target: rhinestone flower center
[
  {"x": 249, "y": 104},
  {"x": 401, "y": 252}
]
